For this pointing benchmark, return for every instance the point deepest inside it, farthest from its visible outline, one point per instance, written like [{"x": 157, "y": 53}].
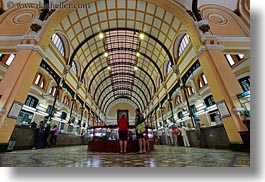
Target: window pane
[
  {"x": 54, "y": 90},
  {"x": 200, "y": 84},
  {"x": 10, "y": 59},
  {"x": 57, "y": 41},
  {"x": 42, "y": 84},
  {"x": 168, "y": 68},
  {"x": 245, "y": 85},
  {"x": 241, "y": 56},
  {"x": 204, "y": 79},
  {"x": 74, "y": 68},
  {"x": 230, "y": 59},
  {"x": 38, "y": 79},
  {"x": 183, "y": 44},
  {"x": 50, "y": 91}
]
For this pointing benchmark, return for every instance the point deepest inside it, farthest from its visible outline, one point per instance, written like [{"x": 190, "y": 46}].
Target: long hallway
[{"x": 162, "y": 156}]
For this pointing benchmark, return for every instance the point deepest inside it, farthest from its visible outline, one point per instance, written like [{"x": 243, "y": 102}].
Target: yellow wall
[{"x": 121, "y": 106}]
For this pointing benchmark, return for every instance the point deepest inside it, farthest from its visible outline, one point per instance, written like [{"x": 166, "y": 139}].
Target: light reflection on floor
[{"x": 162, "y": 156}]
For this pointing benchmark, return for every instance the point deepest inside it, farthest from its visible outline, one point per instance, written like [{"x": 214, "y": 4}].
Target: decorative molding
[
  {"x": 208, "y": 47},
  {"x": 31, "y": 47},
  {"x": 11, "y": 37},
  {"x": 203, "y": 25},
  {"x": 233, "y": 39},
  {"x": 23, "y": 18}
]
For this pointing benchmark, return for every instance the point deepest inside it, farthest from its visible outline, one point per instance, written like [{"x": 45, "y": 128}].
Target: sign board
[
  {"x": 15, "y": 110},
  {"x": 223, "y": 110}
]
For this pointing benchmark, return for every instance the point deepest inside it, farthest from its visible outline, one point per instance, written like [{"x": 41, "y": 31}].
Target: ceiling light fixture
[
  {"x": 141, "y": 36},
  {"x": 101, "y": 35},
  {"x": 106, "y": 54}
]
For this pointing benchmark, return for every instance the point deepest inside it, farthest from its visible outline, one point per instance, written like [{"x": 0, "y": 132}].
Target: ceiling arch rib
[
  {"x": 142, "y": 62},
  {"x": 121, "y": 65},
  {"x": 139, "y": 67},
  {"x": 123, "y": 81},
  {"x": 120, "y": 43},
  {"x": 118, "y": 30},
  {"x": 124, "y": 74},
  {"x": 107, "y": 104},
  {"x": 160, "y": 29},
  {"x": 123, "y": 99},
  {"x": 123, "y": 91}
]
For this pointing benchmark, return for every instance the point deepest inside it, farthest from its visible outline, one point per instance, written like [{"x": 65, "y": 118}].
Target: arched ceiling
[{"x": 122, "y": 22}]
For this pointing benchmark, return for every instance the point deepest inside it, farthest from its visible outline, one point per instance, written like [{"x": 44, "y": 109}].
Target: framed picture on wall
[{"x": 120, "y": 112}]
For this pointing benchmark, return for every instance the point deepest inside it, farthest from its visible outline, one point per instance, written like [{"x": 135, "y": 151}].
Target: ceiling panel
[{"x": 122, "y": 44}]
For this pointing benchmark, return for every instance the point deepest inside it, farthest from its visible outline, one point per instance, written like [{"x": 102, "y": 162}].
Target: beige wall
[{"x": 121, "y": 106}]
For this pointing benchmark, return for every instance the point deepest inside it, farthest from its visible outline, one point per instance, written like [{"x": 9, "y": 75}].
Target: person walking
[
  {"x": 184, "y": 136},
  {"x": 198, "y": 132},
  {"x": 55, "y": 133},
  {"x": 123, "y": 125},
  {"x": 140, "y": 136},
  {"x": 168, "y": 132},
  {"x": 175, "y": 135},
  {"x": 40, "y": 133},
  {"x": 47, "y": 132}
]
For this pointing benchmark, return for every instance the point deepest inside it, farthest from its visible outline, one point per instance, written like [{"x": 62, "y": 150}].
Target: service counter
[
  {"x": 24, "y": 138},
  {"x": 106, "y": 139}
]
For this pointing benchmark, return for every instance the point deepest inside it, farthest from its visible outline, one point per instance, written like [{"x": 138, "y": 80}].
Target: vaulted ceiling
[{"x": 118, "y": 63}]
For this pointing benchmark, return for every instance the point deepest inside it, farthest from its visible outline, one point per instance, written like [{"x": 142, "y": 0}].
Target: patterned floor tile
[{"x": 162, "y": 156}]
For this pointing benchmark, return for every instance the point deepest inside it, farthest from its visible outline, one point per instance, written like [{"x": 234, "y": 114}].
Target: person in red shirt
[{"x": 123, "y": 125}]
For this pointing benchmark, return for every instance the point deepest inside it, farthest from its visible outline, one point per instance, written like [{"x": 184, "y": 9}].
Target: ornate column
[
  {"x": 223, "y": 83},
  {"x": 16, "y": 83},
  {"x": 183, "y": 87}
]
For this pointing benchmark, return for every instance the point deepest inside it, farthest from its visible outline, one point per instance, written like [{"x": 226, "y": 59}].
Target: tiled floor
[{"x": 162, "y": 156}]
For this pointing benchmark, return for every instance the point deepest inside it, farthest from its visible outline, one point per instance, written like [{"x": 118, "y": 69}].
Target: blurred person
[
  {"x": 123, "y": 125},
  {"x": 140, "y": 136}
]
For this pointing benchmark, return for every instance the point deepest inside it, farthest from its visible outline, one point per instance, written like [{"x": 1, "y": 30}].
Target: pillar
[
  {"x": 15, "y": 86},
  {"x": 224, "y": 86}
]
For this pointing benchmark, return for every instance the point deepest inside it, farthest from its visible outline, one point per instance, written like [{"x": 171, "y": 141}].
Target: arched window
[
  {"x": 183, "y": 44},
  {"x": 190, "y": 90},
  {"x": 234, "y": 59},
  {"x": 158, "y": 81},
  {"x": 84, "y": 82},
  {"x": 167, "y": 67},
  {"x": 177, "y": 100},
  {"x": 202, "y": 81},
  {"x": 39, "y": 80},
  {"x": 75, "y": 107},
  {"x": 52, "y": 91},
  {"x": 153, "y": 90},
  {"x": 66, "y": 100},
  {"x": 76, "y": 68},
  {"x": 7, "y": 58},
  {"x": 73, "y": 68},
  {"x": 168, "y": 106},
  {"x": 57, "y": 41}
]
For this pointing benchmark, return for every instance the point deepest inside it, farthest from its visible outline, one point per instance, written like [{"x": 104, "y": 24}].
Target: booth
[{"x": 106, "y": 139}]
